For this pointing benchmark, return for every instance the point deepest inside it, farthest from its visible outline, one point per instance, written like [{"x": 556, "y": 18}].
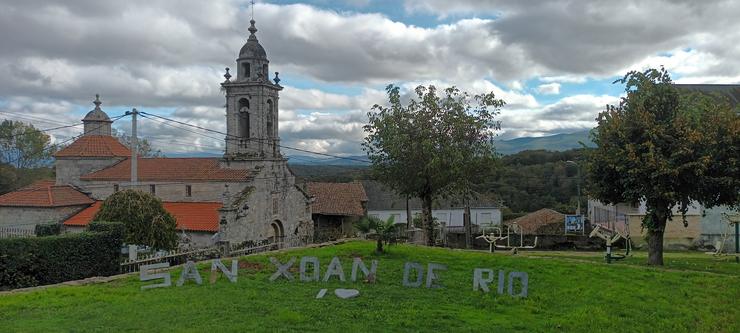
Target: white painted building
[
  {"x": 451, "y": 217},
  {"x": 384, "y": 203}
]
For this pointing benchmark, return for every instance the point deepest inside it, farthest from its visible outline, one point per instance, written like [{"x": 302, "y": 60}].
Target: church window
[
  {"x": 247, "y": 70},
  {"x": 270, "y": 130},
  {"x": 275, "y": 205},
  {"x": 152, "y": 189},
  {"x": 264, "y": 70},
  {"x": 188, "y": 191},
  {"x": 244, "y": 118}
]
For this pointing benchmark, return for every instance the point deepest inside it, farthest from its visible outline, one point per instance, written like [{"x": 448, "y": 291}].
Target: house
[
  {"x": 335, "y": 208},
  {"x": 627, "y": 218},
  {"x": 542, "y": 222},
  {"x": 247, "y": 194},
  {"x": 383, "y": 203},
  {"x": 39, "y": 203},
  {"x": 198, "y": 221}
]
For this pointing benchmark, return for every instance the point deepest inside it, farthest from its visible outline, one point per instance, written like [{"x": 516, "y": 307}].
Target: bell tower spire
[{"x": 252, "y": 104}]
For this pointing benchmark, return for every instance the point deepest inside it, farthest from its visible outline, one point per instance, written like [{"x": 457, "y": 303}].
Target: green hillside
[
  {"x": 579, "y": 294},
  {"x": 557, "y": 142}
]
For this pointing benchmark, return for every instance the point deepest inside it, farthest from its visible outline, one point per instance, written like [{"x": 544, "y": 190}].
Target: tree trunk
[
  {"x": 426, "y": 211},
  {"x": 655, "y": 239},
  {"x": 379, "y": 247}
]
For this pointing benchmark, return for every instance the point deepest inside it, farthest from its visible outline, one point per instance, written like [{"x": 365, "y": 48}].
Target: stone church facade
[{"x": 258, "y": 196}]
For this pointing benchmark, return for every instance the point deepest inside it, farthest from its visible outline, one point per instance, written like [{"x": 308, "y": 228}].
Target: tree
[
  {"x": 667, "y": 149},
  {"x": 385, "y": 230},
  {"x": 145, "y": 148},
  {"x": 23, "y": 146},
  {"x": 146, "y": 220},
  {"x": 434, "y": 146}
]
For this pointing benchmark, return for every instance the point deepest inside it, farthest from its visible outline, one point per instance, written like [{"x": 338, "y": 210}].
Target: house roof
[
  {"x": 191, "y": 216},
  {"x": 95, "y": 146},
  {"x": 170, "y": 169},
  {"x": 380, "y": 197},
  {"x": 344, "y": 199},
  {"x": 45, "y": 194},
  {"x": 542, "y": 222}
]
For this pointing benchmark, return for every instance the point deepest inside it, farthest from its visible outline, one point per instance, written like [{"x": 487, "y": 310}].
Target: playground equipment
[
  {"x": 492, "y": 238},
  {"x": 612, "y": 237}
]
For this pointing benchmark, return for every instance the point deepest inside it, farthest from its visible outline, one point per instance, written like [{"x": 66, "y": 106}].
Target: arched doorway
[{"x": 277, "y": 233}]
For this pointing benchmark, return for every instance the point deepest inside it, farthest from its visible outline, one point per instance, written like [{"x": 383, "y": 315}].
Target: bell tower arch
[{"x": 252, "y": 105}]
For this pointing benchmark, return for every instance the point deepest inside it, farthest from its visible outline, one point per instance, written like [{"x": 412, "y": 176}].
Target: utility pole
[
  {"x": 578, "y": 209},
  {"x": 134, "y": 148}
]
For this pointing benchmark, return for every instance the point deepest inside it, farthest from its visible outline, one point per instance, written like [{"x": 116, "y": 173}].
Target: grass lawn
[{"x": 568, "y": 292}]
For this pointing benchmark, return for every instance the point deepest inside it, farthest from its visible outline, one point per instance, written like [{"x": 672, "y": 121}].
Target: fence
[
  {"x": 13, "y": 232},
  {"x": 250, "y": 247}
]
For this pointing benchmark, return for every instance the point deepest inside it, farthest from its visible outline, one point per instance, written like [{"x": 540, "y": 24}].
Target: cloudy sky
[{"x": 553, "y": 62}]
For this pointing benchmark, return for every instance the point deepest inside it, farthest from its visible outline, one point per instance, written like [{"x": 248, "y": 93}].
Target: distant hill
[{"x": 557, "y": 142}]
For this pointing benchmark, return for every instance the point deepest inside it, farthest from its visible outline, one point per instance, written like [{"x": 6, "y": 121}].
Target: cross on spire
[{"x": 252, "y": 3}]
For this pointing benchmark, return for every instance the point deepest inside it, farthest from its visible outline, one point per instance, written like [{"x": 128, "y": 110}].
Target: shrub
[
  {"x": 146, "y": 220},
  {"x": 28, "y": 262},
  {"x": 48, "y": 229}
]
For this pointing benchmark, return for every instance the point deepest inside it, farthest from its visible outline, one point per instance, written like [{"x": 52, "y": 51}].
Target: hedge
[
  {"x": 28, "y": 262},
  {"x": 48, "y": 229}
]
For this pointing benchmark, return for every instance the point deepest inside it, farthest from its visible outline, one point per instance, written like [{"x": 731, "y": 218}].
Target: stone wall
[
  {"x": 69, "y": 169},
  {"x": 174, "y": 191},
  {"x": 28, "y": 217},
  {"x": 269, "y": 206}
]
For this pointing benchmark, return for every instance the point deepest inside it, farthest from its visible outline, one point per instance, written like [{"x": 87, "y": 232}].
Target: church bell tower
[{"x": 252, "y": 105}]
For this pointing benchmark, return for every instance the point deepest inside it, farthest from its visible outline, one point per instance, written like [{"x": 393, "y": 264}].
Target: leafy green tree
[
  {"x": 146, "y": 220},
  {"x": 433, "y": 146},
  {"x": 385, "y": 230},
  {"x": 23, "y": 146},
  {"x": 145, "y": 147},
  {"x": 667, "y": 149}
]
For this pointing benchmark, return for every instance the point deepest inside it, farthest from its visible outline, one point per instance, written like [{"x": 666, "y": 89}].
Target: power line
[
  {"x": 34, "y": 130},
  {"x": 65, "y": 141},
  {"x": 258, "y": 139}
]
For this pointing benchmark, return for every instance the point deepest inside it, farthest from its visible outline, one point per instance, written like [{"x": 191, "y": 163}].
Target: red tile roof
[
  {"x": 95, "y": 146},
  {"x": 192, "y": 216},
  {"x": 171, "y": 169},
  {"x": 345, "y": 199},
  {"x": 542, "y": 222},
  {"x": 45, "y": 194}
]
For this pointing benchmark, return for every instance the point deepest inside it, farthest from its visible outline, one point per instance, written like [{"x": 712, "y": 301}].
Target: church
[{"x": 248, "y": 194}]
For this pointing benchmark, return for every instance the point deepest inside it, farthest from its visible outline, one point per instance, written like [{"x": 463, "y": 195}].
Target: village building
[
  {"x": 384, "y": 203},
  {"x": 248, "y": 194},
  {"x": 336, "y": 207}
]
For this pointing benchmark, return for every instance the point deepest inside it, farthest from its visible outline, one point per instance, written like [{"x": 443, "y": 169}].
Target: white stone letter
[
  {"x": 525, "y": 283},
  {"x": 335, "y": 268},
  {"x": 231, "y": 275},
  {"x": 431, "y": 276},
  {"x": 419, "y": 274},
  {"x": 316, "y": 276},
  {"x": 189, "y": 272},
  {"x": 357, "y": 263},
  {"x": 282, "y": 269},
  {"x": 144, "y": 275},
  {"x": 479, "y": 281}
]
